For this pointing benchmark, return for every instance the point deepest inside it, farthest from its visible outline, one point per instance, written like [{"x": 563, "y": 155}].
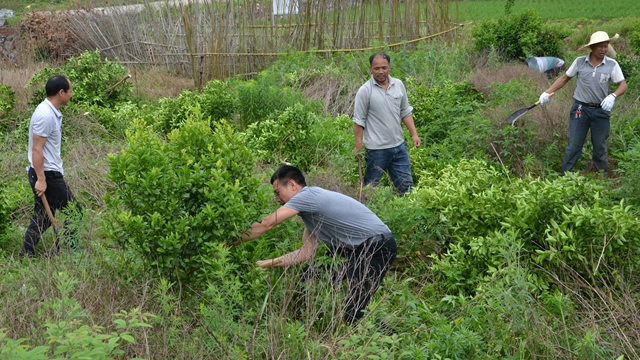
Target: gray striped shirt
[
  {"x": 592, "y": 84},
  {"x": 336, "y": 218},
  {"x": 380, "y": 113}
]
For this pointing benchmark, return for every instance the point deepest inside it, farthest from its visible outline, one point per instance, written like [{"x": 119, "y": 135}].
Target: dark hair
[
  {"x": 381, "y": 54},
  {"x": 55, "y": 84},
  {"x": 288, "y": 172}
]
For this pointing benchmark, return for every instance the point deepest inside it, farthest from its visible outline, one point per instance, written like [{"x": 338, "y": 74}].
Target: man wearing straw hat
[{"x": 592, "y": 101}]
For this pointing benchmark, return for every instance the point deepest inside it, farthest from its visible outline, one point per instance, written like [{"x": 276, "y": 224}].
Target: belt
[
  {"x": 591, "y": 105},
  {"x": 51, "y": 174}
]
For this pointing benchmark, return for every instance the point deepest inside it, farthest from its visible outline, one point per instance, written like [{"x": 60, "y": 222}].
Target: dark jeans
[
  {"x": 58, "y": 195},
  {"x": 365, "y": 268},
  {"x": 597, "y": 120},
  {"x": 395, "y": 160}
]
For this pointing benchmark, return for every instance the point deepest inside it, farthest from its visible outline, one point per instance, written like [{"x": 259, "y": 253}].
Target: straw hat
[{"x": 598, "y": 37}]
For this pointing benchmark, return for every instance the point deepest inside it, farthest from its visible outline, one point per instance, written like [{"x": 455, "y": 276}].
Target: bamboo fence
[{"x": 217, "y": 38}]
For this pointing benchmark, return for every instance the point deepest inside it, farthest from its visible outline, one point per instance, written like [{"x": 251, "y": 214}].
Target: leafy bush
[
  {"x": 518, "y": 36},
  {"x": 118, "y": 118},
  {"x": 95, "y": 81},
  {"x": 298, "y": 136},
  {"x": 629, "y": 167},
  {"x": 482, "y": 213},
  {"x": 173, "y": 111},
  {"x": 261, "y": 99},
  {"x": 174, "y": 203},
  {"x": 216, "y": 101},
  {"x": 437, "y": 110}
]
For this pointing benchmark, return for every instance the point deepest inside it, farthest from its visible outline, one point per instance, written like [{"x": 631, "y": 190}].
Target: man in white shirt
[{"x": 45, "y": 171}]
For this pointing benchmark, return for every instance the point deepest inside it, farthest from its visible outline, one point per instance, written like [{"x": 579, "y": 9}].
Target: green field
[{"x": 474, "y": 10}]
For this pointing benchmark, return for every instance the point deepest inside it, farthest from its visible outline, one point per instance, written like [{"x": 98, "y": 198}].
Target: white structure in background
[
  {"x": 6, "y": 13},
  {"x": 285, "y": 7}
]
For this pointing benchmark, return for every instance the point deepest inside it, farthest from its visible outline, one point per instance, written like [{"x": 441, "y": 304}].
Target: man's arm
[
  {"x": 37, "y": 157},
  {"x": 622, "y": 87},
  {"x": 309, "y": 244},
  {"x": 409, "y": 123},
  {"x": 558, "y": 84},
  {"x": 273, "y": 219},
  {"x": 360, "y": 114}
]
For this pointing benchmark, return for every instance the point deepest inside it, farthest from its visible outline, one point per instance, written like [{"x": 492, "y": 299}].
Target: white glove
[
  {"x": 607, "y": 103},
  {"x": 544, "y": 98}
]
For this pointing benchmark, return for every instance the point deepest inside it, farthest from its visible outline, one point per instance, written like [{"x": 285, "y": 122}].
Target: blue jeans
[
  {"x": 395, "y": 160},
  {"x": 592, "y": 118}
]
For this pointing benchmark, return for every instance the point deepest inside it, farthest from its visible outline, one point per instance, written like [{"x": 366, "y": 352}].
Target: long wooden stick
[
  {"x": 54, "y": 223},
  {"x": 110, "y": 89},
  {"x": 360, "y": 176}
]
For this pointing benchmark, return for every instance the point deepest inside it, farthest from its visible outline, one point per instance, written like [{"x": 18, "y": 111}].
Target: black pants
[
  {"x": 365, "y": 268},
  {"x": 58, "y": 195}
]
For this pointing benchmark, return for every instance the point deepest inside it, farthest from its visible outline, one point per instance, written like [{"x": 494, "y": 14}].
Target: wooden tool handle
[{"x": 47, "y": 208}]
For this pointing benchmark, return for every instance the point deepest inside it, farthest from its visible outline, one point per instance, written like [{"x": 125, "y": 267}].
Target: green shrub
[
  {"x": 518, "y": 36},
  {"x": 438, "y": 110},
  {"x": 217, "y": 101},
  {"x": 95, "y": 81},
  {"x": 175, "y": 203},
  {"x": 629, "y": 168},
  {"x": 173, "y": 111},
  {"x": 418, "y": 229},
  {"x": 298, "y": 136},
  {"x": 118, "y": 118},
  {"x": 261, "y": 99},
  {"x": 481, "y": 213}
]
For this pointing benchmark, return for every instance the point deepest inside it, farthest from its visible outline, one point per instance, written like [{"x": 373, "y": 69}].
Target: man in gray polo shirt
[
  {"x": 381, "y": 106},
  {"x": 592, "y": 101},
  {"x": 347, "y": 226},
  {"x": 45, "y": 172}
]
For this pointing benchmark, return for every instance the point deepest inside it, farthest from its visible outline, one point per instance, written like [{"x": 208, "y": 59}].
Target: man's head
[
  {"x": 380, "y": 66},
  {"x": 599, "y": 44},
  {"x": 59, "y": 90},
  {"x": 287, "y": 181}
]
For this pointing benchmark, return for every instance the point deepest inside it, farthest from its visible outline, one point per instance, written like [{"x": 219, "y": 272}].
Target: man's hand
[
  {"x": 40, "y": 187},
  {"x": 266, "y": 264},
  {"x": 357, "y": 150},
  {"x": 544, "y": 98},
  {"x": 607, "y": 103},
  {"x": 416, "y": 141}
]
